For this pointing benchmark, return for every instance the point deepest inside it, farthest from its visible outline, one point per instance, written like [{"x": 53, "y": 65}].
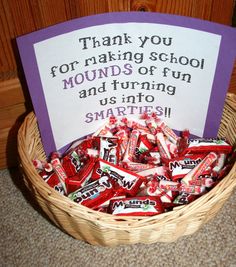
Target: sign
[{"x": 124, "y": 64}]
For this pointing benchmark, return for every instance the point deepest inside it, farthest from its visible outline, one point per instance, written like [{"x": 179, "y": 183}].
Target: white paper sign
[{"x": 126, "y": 69}]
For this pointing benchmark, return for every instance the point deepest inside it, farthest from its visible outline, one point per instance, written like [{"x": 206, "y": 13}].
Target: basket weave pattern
[{"x": 108, "y": 230}]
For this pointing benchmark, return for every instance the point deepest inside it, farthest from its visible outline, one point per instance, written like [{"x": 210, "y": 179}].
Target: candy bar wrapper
[
  {"x": 94, "y": 194},
  {"x": 155, "y": 157},
  {"x": 80, "y": 178},
  {"x": 150, "y": 137},
  {"x": 104, "y": 206},
  {"x": 180, "y": 166},
  {"x": 127, "y": 182},
  {"x": 109, "y": 149},
  {"x": 143, "y": 145},
  {"x": 218, "y": 145},
  {"x": 72, "y": 163},
  {"x": 136, "y": 206},
  {"x": 53, "y": 181}
]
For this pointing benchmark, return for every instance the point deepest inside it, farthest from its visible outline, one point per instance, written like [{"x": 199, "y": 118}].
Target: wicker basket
[{"x": 108, "y": 230}]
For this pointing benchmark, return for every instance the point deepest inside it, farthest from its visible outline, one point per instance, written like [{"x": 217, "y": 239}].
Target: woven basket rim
[{"x": 102, "y": 218}]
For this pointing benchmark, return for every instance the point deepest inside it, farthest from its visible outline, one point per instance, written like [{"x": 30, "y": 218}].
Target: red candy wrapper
[
  {"x": 94, "y": 194},
  {"x": 72, "y": 163},
  {"x": 136, "y": 206},
  {"x": 218, "y": 145},
  {"x": 127, "y": 182},
  {"x": 53, "y": 181},
  {"x": 81, "y": 178},
  {"x": 109, "y": 149},
  {"x": 180, "y": 166},
  {"x": 143, "y": 145}
]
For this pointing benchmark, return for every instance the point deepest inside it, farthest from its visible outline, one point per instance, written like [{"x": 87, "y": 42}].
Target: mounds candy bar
[
  {"x": 143, "y": 145},
  {"x": 81, "y": 178},
  {"x": 180, "y": 166},
  {"x": 94, "y": 194},
  {"x": 109, "y": 149},
  {"x": 127, "y": 182},
  {"x": 200, "y": 168},
  {"x": 53, "y": 181},
  {"x": 104, "y": 206},
  {"x": 136, "y": 206},
  {"x": 72, "y": 163},
  {"x": 200, "y": 145},
  {"x": 150, "y": 157}
]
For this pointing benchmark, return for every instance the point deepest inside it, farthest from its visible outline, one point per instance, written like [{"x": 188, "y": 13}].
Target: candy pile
[{"x": 137, "y": 167}]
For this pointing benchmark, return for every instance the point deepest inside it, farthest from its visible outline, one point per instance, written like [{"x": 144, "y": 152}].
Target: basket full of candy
[{"x": 132, "y": 183}]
